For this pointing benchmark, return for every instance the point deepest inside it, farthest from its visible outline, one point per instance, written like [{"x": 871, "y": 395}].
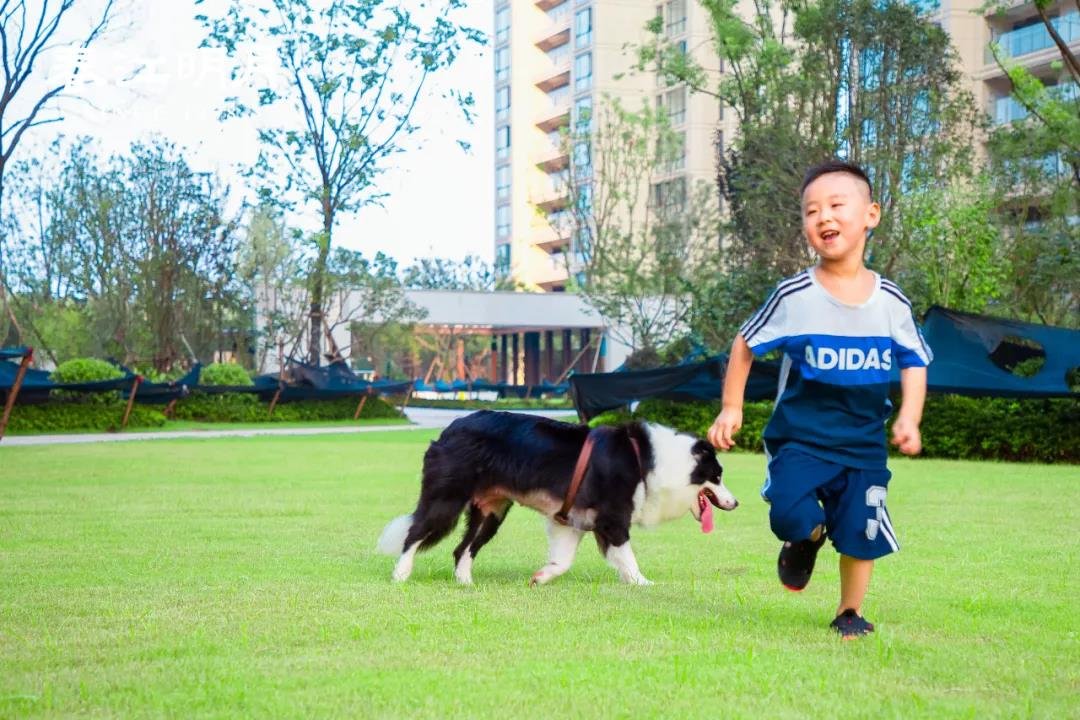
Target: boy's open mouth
[{"x": 830, "y": 235}]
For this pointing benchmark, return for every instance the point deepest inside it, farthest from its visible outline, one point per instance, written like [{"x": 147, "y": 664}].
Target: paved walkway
[{"x": 422, "y": 419}]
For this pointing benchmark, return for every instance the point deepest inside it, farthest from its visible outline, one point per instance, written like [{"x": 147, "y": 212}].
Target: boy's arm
[
  {"x": 905, "y": 430},
  {"x": 729, "y": 420}
]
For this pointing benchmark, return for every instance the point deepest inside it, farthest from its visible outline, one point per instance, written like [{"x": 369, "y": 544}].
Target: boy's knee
[{"x": 796, "y": 522}]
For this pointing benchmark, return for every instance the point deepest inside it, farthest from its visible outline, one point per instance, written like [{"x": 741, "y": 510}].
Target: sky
[{"x": 148, "y": 78}]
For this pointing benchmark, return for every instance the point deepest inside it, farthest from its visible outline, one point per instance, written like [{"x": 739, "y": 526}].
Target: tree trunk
[{"x": 318, "y": 286}]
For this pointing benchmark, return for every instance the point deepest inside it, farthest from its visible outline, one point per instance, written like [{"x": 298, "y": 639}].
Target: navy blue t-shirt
[{"x": 833, "y": 397}]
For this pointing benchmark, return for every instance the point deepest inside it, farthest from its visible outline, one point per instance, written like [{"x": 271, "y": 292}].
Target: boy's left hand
[{"x": 906, "y": 436}]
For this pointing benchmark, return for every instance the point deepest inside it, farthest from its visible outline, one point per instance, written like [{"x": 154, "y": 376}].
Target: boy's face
[{"x": 837, "y": 213}]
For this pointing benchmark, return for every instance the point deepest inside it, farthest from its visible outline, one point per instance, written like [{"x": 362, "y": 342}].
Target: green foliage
[
  {"x": 499, "y": 404},
  {"x": 953, "y": 426},
  {"x": 247, "y": 408},
  {"x": 955, "y": 253},
  {"x": 85, "y": 370},
  {"x": 98, "y": 416},
  {"x": 229, "y": 374}
]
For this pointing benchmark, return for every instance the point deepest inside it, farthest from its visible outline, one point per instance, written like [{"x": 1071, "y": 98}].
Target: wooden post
[
  {"x": 170, "y": 409},
  {"x": 549, "y": 356},
  {"x": 360, "y": 407},
  {"x": 273, "y": 400},
  {"x": 493, "y": 370},
  {"x": 131, "y": 400},
  {"x": 14, "y": 391}
]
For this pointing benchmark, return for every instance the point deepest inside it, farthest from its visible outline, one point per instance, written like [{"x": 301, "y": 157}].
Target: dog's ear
[{"x": 702, "y": 450}]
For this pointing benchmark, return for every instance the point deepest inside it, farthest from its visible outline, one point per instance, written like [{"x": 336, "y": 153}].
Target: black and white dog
[{"x": 638, "y": 473}]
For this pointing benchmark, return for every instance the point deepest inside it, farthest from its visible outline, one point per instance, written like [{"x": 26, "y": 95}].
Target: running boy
[{"x": 841, "y": 328}]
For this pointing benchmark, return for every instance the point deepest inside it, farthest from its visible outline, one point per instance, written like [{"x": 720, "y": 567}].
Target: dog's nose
[{"x": 735, "y": 505}]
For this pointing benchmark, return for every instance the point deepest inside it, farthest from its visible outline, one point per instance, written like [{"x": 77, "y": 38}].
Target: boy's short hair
[{"x": 835, "y": 166}]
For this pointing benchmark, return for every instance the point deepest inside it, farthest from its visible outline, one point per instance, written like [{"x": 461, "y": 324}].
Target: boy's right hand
[{"x": 727, "y": 423}]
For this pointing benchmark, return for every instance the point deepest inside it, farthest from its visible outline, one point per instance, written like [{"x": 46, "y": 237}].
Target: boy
[{"x": 841, "y": 327}]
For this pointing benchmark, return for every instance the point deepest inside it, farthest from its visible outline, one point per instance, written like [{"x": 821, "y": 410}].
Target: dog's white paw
[
  {"x": 465, "y": 578},
  {"x": 401, "y": 573},
  {"x": 541, "y": 577},
  {"x": 635, "y": 580}
]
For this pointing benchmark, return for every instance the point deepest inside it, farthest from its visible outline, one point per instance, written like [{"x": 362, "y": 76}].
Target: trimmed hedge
[
  {"x": 240, "y": 407},
  {"x": 98, "y": 416},
  {"x": 500, "y": 404},
  {"x": 85, "y": 370},
  {"x": 953, "y": 426},
  {"x": 225, "y": 374}
]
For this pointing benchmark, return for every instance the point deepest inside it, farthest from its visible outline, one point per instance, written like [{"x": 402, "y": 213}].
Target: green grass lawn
[{"x": 237, "y": 578}]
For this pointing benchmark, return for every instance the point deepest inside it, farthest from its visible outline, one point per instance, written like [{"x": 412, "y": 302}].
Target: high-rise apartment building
[{"x": 556, "y": 60}]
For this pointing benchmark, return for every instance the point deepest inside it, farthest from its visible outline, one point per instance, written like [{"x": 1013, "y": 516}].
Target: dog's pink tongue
[{"x": 706, "y": 518}]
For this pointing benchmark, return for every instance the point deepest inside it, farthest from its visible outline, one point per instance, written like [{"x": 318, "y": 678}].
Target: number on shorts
[{"x": 875, "y": 498}]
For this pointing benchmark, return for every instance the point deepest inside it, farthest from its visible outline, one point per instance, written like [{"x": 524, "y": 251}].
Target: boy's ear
[{"x": 873, "y": 216}]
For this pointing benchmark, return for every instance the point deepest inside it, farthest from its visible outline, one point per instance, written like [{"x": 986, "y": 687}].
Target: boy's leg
[
  {"x": 795, "y": 514},
  {"x": 861, "y": 531},
  {"x": 854, "y": 582}
]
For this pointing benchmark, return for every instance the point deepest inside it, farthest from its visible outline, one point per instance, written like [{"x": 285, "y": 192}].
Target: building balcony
[
  {"x": 557, "y": 72},
  {"x": 1035, "y": 38},
  {"x": 552, "y": 201},
  {"x": 554, "y": 161},
  {"x": 546, "y": 5},
  {"x": 552, "y": 238},
  {"x": 549, "y": 81},
  {"x": 556, "y": 33},
  {"x": 555, "y": 113},
  {"x": 552, "y": 274}
]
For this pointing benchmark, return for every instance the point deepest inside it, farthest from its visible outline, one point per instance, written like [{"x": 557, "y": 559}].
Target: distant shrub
[
  {"x": 225, "y": 374},
  {"x": 85, "y": 370}
]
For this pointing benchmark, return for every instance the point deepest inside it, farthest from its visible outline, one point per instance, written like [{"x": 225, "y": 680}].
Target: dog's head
[{"x": 685, "y": 477}]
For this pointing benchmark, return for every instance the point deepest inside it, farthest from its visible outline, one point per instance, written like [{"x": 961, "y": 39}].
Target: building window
[
  {"x": 502, "y": 102},
  {"x": 673, "y": 156},
  {"x": 583, "y": 72},
  {"x": 674, "y": 101},
  {"x": 581, "y": 159},
  {"x": 502, "y": 221},
  {"x": 670, "y": 195},
  {"x": 674, "y": 14},
  {"x": 502, "y": 182},
  {"x": 502, "y": 141},
  {"x": 583, "y": 114},
  {"x": 583, "y": 27},
  {"x": 502, "y": 25},
  {"x": 502, "y": 65},
  {"x": 502, "y": 259}
]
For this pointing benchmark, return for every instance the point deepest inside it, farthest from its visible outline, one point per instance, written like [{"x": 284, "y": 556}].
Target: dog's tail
[{"x": 392, "y": 539}]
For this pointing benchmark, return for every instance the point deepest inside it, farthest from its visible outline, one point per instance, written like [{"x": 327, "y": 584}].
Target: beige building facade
[{"x": 555, "y": 63}]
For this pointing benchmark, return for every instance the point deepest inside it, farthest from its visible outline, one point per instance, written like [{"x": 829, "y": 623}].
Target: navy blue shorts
[{"x": 804, "y": 491}]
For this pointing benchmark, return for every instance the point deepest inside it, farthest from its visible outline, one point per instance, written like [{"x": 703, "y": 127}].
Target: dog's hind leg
[
  {"x": 562, "y": 548},
  {"x": 463, "y": 559},
  {"x": 433, "y": 520},
  {"x": 487, "y": 525}
]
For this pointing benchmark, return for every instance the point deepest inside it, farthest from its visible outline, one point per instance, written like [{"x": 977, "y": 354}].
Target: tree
[
  {"x": 351, "y": 76},
  {"x": 1036, "y": 161},
  {"x": 126, "y": 256},
  {"x": 471, "y": 273},
  {"x": 29, "y": 33},
  {"x": 640, "y": 234},
  {"x": 875, "y": 82}
]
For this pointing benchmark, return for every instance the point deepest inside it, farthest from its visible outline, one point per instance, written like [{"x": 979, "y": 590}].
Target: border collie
[{"x": 638, "y": 473}]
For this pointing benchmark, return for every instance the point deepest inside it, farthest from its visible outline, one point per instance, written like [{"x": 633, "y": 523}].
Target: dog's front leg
[
  {"x": 562, "y": 548},
  {"x": 621, "y": 557}
]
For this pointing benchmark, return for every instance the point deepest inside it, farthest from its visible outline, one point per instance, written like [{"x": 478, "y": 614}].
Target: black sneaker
[
  {"x": 796, "y": 562},
  {"x": 851, "y": 625}
]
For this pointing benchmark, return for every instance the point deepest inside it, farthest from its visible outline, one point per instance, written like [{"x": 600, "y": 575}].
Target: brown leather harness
[{"x": 563, "y": 515}]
